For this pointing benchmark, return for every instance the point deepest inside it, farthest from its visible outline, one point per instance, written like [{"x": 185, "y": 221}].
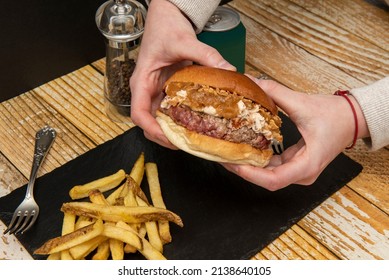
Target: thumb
[
  {"x": 287, "y": 99},
  {"x": 208, "y": 56}
]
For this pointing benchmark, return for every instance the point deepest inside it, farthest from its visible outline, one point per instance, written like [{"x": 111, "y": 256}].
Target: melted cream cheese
[{"x": 210, "y": 110}]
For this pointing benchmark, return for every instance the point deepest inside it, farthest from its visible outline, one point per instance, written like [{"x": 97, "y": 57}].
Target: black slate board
[{"x": 224, "y": 216}]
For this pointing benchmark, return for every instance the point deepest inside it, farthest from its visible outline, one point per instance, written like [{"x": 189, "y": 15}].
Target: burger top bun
[
  {"x": 226, "y": 80},
  {"x": 211, "y": 148}
]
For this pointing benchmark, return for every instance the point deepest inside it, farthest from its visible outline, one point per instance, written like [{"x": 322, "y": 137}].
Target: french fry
[
  {"x": 68, "y": 226},
  {"x": 115, "y": 194},
  {"x": 70, "y": 240},
  {"x": 125, "y": 189},
  {"x": 83, "y": 221},
  {"x": 117, "y": 249},
  {"x": 102, "y": 252},
  {"x": 54, "y": 256},
  {"x": 152, "y": 230},
  {"x": 96, "y": 196},
  {"x": 65, "y": 255},
  {"x": 137, "y": 170},
  {"x": 102, "y": 184},
  {"x": 150, "y": 253},
  {"x": 147, "y": 250},
  {"x": 129, "y": 249},
  {"x": 156, "y": 198},
  {"x": 124, "y": 235},
  {"x": 121, "y": 213},
  {"x": 130, "y": 200},
  {"x": 123, "y": 222},
  {"x": 142, "y": 231},
  {"x": 68, "y": 223},
  {"x": 82, "y": 250},
  {"x": 135, "y": 187}
]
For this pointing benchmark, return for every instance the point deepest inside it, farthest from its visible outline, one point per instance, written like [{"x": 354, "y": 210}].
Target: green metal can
[{"x": 225, "y": 32}]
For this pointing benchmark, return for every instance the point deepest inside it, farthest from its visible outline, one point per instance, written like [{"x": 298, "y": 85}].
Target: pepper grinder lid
[{"x": 121, "y": 20}]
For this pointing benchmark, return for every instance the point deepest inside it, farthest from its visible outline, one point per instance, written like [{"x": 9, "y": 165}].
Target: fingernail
[{"x": 224, "y": 64}]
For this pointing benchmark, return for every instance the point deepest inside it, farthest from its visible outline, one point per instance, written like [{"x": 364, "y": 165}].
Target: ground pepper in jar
[
  {"x": 122, "y": 24},
  {"x": 118, "y": 82}
]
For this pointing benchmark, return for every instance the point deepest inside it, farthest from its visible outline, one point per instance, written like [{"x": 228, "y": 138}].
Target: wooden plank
[
  {"x": 294, "y": 244},
  {"x": 78, "y": 96},
  {"x": 10, "y": 247},
  {"x": 10, "y": 179},
  {"x": 290, "y": 64},
  {"x": 100, "y": 65},
  {"x": 21, "y": 117},
  {"x": 373, "y": 182},
  {"x": 350, "y": 227},
  {"x": 286, "y": 250},
  {"x": 309, "y": 244},
  {"x": 268, "y": 254},
  {"x": 358, "y": 17},
  {"x": 259, "y": 256},
  {"x": 274, "y": 252},
  {"x": 325, "y": 40}
]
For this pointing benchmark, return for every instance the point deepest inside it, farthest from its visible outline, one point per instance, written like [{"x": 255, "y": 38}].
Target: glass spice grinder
[{"x": 122, "y": 24}]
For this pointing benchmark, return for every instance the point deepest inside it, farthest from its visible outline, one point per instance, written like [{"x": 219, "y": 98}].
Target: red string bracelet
[{"x": 344, "y": 94}]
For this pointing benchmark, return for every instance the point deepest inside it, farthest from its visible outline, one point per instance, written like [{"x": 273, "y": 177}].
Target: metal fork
[
  {"x": 27, "y": 212},
  {"x": 278, "y": 147}
]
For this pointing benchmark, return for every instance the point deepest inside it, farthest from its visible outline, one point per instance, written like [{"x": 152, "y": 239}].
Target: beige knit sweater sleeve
[
  {"x": 374, "y": 101},
  {"x": 198, "y": 11}
]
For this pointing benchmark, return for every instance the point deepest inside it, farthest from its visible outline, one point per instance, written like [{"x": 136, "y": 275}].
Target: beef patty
[{"x": 233, "y": 130}]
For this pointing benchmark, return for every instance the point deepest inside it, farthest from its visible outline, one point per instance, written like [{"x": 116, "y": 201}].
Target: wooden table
[{"x": 310, "y": 46}]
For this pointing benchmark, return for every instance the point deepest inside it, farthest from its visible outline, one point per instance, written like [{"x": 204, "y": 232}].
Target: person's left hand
[{"x": 169, "y": 42}]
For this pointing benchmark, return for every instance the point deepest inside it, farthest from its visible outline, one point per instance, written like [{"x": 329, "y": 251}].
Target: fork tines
[
  {"x": 21, "y": 222},
  {"x": 278, "y": 147}
]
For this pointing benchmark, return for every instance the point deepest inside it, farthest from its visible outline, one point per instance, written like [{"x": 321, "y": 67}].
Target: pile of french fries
[{"x": 108, "y": 227}]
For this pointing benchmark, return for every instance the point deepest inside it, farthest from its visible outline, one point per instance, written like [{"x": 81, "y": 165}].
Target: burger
[{"x": 219, "y": 115}]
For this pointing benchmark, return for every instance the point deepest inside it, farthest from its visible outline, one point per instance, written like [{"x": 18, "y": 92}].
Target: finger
[
  {"x": 275, "y": 178},
  {"x": 161, "y": 140},
  {"x": 152, "y": 130},
  {"x": 140, "y": 115},
  {"x": 287, "y": 99},
  {"x": 206, "y": 55},
  {"x": 277, "y": 160},
  {"x": 293, "y": 150}
]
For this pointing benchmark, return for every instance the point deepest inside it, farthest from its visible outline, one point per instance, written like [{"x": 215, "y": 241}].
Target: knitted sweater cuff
[
  {"x": 198, "y": 11},
  {"x": 374, "y": 102}
]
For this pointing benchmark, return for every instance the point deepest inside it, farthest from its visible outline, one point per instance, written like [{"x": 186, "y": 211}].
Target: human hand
[
  {"x": 169, "y": 42},
  {"x": 326, "y": 125}
]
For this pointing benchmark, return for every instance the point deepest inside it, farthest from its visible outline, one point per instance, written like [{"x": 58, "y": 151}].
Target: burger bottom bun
[{"x": 211, "y": 148}]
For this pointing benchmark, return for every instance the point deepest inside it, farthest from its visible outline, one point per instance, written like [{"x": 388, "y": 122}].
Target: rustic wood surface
[{"x": 310, "y": 46}]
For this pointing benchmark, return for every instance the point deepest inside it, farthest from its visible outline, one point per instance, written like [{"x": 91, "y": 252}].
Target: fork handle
[{"x": 44, "y": 139}]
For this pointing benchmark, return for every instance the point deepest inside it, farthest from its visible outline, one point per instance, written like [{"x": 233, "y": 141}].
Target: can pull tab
[{"x": 215, "y": 18}]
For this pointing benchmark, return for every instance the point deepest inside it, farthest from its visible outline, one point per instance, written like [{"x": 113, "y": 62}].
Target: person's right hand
[{"x": 169, "y": 42}]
